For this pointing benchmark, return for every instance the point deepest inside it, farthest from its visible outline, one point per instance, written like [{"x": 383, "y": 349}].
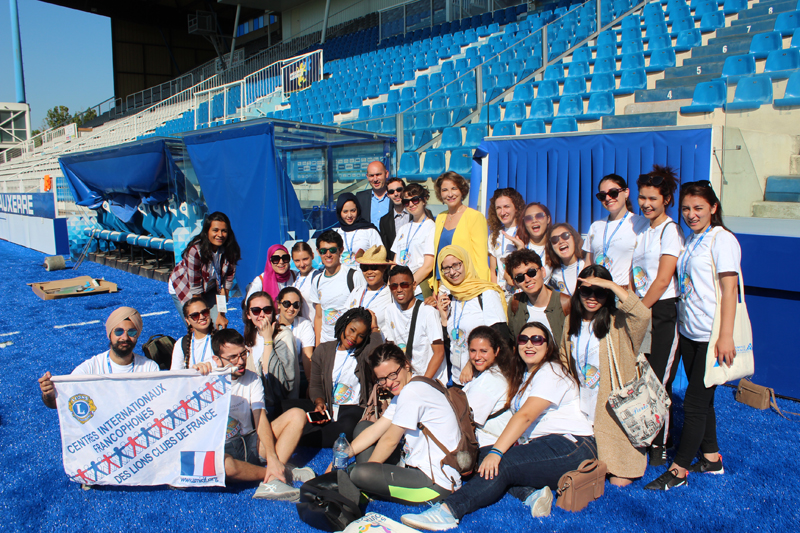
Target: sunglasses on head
[
  {"x": 414, "y": 200},
  {"x": 132, "y": 333},
  {"x": 395, "y": 191},
  {"x": 647, "y": 179},
  {"x": 255, "y": 311},
  {"x": 531, "y": 273},
  {"x": 537, "y": 216},
  {"x": 333, "y": 249},
  {"x": 589, "y": 292},
  {"x": 699, "y": 183},
  {"x": 611, "y": 193},
  {"x": 536, "y": 340},
  {"x": 275, "y": 259},
  {"x": 204, "y": 313},
  {"x": 402, "y": 285},
  {"x": 561, "y": 236},
  {"x": 287, "y": 304}
]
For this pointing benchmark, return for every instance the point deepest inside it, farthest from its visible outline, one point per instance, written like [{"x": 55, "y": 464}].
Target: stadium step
[
  {"x": 657, "y": 95},
  {"x": 746, "y": 29},
  {"x": 685, "y": 81},
  {"x": 763, "y": 8},
  {"x": 721, "y": 46},
  {"x": 782, "y": 189},
  {"x": 641, "y": 120},
  {"x": 707, "y": 67},
  {"x": 789, "y": 210}
]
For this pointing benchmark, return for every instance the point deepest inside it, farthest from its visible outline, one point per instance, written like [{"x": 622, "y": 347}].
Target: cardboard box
[{"x": 66, "y": 288}]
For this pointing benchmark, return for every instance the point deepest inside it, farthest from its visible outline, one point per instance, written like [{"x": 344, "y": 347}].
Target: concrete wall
[{"x": 307, "y": 14}]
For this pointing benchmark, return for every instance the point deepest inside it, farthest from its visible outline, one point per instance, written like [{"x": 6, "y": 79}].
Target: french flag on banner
[{"x": 198, "y": 464}]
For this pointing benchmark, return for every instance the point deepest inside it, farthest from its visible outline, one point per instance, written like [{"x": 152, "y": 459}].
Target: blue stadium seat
[
  {"x": 574, "y": 87},
  {"x": 523, "y": 93},
  {"x": 547, "y": 89},
  {"x": 570, "y": 106},
  {"x": 605, "y": 65},
  {"x": 422, "y": 121},
  {"x": 688, "y": 39},
  {"x": 461, "y": 162},
  {"x": 764, "y": 43},
  {"x": 554, "y": 72},
  {"x": 504, "y": 128},
  {"x": 712, "y": 21},
  {"x": 564, "y": 125},
  {"x": 441, "y": 119},
  {"x": 707, "y": 97},
  {"x": 792, "y": 95},
  {"x": 578, "y": 70},
  {"x": 795, "y": 38},
  {"x": 582, "y": 55},
  {"x": 682, "y": 24},
  {"x": 606, "y": 51},
  {"x": 738, "y": 66},
  {"x": 660, "y": 42},
  {"x": 408, "y": 168},
  {"x": 750, "y": 94},
  {"x": 661, "y": 60},
  {"x": 704, "y": 8},
  {"x": 631, "y": 81},
  {"x": 600, "y": 105},
  {"x": 787, "y": 22},
  {"x": 451, "y": 138},
  {"x": 781, "y": 63},
  {"x": 434, "y": 165},
  {"x": 515, "y": 112},
  {"x": 532, "y": 126},
  {"x": 632, "y": 61},
  {"x": 490, "y": 114},
  {"x": 602, "y": 82},
  {"x": 632, "y": 46},
  {"x": 421, "y": 138},
  {"x": 475, "y": 135},
  {"x": 542, "y": 108}
]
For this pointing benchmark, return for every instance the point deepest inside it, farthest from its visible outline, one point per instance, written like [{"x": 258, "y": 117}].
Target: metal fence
[{"x": 418, "y": 14}]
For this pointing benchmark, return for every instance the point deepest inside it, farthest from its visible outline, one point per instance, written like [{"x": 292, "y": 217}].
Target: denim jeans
[{"x": 539, "y": 463}]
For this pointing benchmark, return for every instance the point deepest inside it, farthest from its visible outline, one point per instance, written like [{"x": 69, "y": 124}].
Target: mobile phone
[{"x": 316, "y": 416}]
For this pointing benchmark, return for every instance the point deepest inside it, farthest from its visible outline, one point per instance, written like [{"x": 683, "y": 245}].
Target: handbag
[
  {"x": 743, "y": 363},
  {"x": 641, "y": 405},
  {"x": 323, "y": 506},
  {"x": 577, "y": 488},
  {"x": 758, "y": 396}
]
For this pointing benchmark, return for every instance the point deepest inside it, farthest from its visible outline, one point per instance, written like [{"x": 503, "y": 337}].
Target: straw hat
[{"x": 375, "y": 255}]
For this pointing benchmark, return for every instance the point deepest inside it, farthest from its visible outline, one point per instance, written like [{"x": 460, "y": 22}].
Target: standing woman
[
  {"x": 655, "y": 258},
  {"x": 195, "y": 346},
  {"x": 460, "y": 225},
  {"x": 290, "y": 301},
  {"x": 272, "y": 349},
  {"x": 303, "y": 257},
  {"x": 593, "y": 323},
  {"x": 207, "y": 267},
  {"x": 610, "y": 242},
  {"x": 277, "y": 274},
  {"x": 505, "y": 214},
  {"x": 565, "y": 245},
  {"x": 710, "y": 242},
  {"x": 413, "y": 246},
  {"x": 472, "y": 302},
  {"x": 534, "y": 233},
  {"x": 357, "y": 233}
]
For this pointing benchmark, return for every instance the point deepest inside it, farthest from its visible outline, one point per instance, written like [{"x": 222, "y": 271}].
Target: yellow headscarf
[{"x": 472, "y": 286}]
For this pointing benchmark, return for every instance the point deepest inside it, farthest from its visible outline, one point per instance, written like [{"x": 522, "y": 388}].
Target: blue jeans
[{"x": 539, "y": 463}]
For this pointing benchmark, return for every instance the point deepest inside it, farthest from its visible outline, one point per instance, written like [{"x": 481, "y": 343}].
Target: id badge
[
  {"x": 222, "y": 305},
  {"x": 335, "y": 412}
]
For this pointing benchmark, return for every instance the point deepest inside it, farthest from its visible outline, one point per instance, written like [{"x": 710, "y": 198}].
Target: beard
[{"x": 123, "y": 348}]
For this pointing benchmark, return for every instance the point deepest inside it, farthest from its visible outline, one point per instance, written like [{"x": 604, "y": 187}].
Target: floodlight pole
[
  {"x": 16, "y": 43},
  {"x": 235, "y": 31},
  {"x": 325, "y": 21}
]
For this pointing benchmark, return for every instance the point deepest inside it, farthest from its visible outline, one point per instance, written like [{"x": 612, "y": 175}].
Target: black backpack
[
  {"x": 159, "y": 349},
  {"x": 324, "y": 506}
]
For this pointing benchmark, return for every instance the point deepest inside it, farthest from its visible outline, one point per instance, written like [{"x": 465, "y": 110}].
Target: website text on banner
[{"x": 160, "y": 428}]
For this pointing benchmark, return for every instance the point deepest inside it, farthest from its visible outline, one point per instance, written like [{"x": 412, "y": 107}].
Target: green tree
[
  {"x": 57, "y": 117},
  {"x": 82, "y": 118}
]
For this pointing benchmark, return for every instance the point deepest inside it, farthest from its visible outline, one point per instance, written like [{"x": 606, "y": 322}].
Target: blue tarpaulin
[
  {"x": 240, "y": 175},
  {"x": 563, "y": 172}
]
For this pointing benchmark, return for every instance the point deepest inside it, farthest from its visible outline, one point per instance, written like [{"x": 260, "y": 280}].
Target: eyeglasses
[
  {"x": 389, "y": 377},
  {"x": 452, "y": 268},
  {"x": 402, "y": 285},
  {"x": 537, "y": 216},
  {"x": 699, "y": 183},
  {"x": 561, "y": 236},
  {"x": 414, "y": 200},
  {"x": 275, "y": 259},
  {"x": 204, "y": 313},
  {"x": 531, "y": 273},
  {"x": 240, "y": 356},
  {"x": 589, "y": 292},
  {"x": 612, "y": 193},
  {"x": 267, "y": 310},
  {"x": 366, "y": 267},
  {"x": 333, "y": 250},
  {"x": 287, "y": 304},
  {"x": 536, "y": 340},
  {"x": 132, "y": 333},
  {"x": 647, "y": 179},
  {"x": 395, "y": 191}
]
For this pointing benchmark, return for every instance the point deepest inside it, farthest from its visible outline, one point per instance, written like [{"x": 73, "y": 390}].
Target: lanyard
[
  {"x": 586, "y": 351},
  {"x": 202, "y": 354},
  {"x": 108, "y": 362},
  {"x": 688, "y": 255},
  {"x": 457, "y": 322},
  {"x": 363, "y": 294},
  {"x": 341, "y": 369},
  {"x": 564, "y": 275},
  {"x": 352, "y": 241},
  {"x": 518, "y": 397},
  {"x": 217, "y": 264},
  {"x": 607, "y": 244},
  {"x": 411, "y": 237}
]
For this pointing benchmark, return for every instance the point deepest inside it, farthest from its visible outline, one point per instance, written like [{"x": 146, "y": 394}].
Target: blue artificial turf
[{"x": 760, "y": 489}]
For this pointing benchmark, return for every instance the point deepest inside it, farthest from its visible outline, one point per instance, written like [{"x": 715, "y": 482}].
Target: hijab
[
  {"x": 269, "y": 282},
  {"x": 359, "y": 222},
  {"x": 472, "y": 286}
]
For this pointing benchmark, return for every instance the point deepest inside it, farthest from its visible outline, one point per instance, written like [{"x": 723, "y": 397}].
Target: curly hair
[
  {"x": 230, "y": 249},
  {"x": 415, "y": 189},
  {"x": 494, "y": 222},
  {"x": 357, "y": 314},
  {"x": 667, "y": 185},
  {"x": 458, "y": 179},
  {"x": 553, "y": 355}
]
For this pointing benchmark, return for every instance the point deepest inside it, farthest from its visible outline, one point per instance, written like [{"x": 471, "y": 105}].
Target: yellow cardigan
[{"x": 472, "y": 234}]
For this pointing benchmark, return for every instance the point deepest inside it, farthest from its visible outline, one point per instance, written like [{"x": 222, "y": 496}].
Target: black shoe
[
  {"x": 666, "y": 481},
  {"x": 658, "y": 455},
  {"x": 704, "y": 466}
]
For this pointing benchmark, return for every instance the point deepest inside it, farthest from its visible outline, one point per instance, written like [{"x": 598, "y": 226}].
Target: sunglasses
[
  {"x": 699, "y": 183},
  {"x": 536, "y": 340},
  {"x": 647, "y": 179},
  {"x": 255, "y": 311},
  {"x": 275, "y": 259},
  {"x": 204, "y": 313},
  {"x": 287, "y": 304},
  {"x": 367, "y": 268},
  {"x": 414, "y": 200},
  {"x": 132, "y": 333},
  {"x": 561, "y": 236},
  {"x": 333, "y": 250},
  {"x": 402, "y": 285},
  {"x": 611, "y": 193},
  {"x": 531, "y": 273},
  {"x": 531, "y": 218},
  {"x": 390, "y": 377},
  {"x": 589, "y": 292},
  {"x": 395, "y": 191}
]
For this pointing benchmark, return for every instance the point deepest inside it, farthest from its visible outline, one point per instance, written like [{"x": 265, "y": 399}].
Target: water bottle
[{"x": 342, "y": 453}]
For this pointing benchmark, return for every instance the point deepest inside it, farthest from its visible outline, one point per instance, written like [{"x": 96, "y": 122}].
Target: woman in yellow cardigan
[{"x": 460, "y": 225}]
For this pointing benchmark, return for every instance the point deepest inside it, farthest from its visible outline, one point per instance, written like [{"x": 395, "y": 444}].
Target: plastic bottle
[{"x": 342, "y": 453}]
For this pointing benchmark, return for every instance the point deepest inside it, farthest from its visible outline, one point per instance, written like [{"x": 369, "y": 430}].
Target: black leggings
[
  {"x": 364, "y": 456},
  {"x": 700, "y": 421},
  {"x": 409, "y": 486},
  {"x": 324, "y": 435},
  {"x": 663, "y": 356}
]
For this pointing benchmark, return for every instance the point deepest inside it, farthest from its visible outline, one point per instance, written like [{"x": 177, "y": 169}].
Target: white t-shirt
[
  {"x": 420, "y": 403},
  {"x": 586, "y": 353},
  {"x": 413, "y": 242},
  {"x": 427, "y": 330},
  {"x": 360, "y": 239},
  {"x": 565, "y": 278},
  {"x": 536, "y": 314},
  {"x": 303, "y": 332},
  {"x": 563, "y": 416},
  {"x": 306, "y": 285},
  {"x": 620, "y": 238},
  {"x": 698, "y": 298},
  {"x": 247, "y": 395},
  {"x": 331, "y": 294},
  {"x": 542, "y": 253},
  {"x": 375, "y": 301},
  {"x": 258, "y": 284},
  {"x": 102, "y": 364},
  {"x": 466, "y": 317},
  {"x": 346, "y": 386},
  {"x": 200, "y": 352},
  {"x": 487, "y": 395},
  {"x": 501, "y": 249},
  {"x": 651, "y": 244}
]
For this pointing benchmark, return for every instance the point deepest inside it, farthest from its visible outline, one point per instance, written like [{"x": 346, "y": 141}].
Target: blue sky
[{"x": 66, "y": 56}]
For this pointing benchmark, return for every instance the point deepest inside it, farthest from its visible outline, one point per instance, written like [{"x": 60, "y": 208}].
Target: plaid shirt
[{"x": 192, "y": 277}]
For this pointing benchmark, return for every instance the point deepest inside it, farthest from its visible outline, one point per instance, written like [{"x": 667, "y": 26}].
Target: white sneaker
[
  {"x": 436, "y": 518},
  {"x": 303, "y": 474},
  {"x": 540, "y": 502},
  {"x": 277, "y": 490}
]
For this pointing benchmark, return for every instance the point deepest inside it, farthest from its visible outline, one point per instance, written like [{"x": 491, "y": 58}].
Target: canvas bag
[
  {"x": 743, "y": 364},
  {"x": 578, "y": 488},
  {"x": 641, "y": 405}
]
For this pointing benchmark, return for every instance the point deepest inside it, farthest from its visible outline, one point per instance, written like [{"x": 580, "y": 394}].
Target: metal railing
[{"x": 48, "y": 139}]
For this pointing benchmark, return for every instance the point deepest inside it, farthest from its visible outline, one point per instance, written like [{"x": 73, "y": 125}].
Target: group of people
[{"x": 518, "y": 311}]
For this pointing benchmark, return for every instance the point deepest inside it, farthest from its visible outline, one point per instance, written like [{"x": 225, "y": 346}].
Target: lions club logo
[{"x": 82, "y": 407}]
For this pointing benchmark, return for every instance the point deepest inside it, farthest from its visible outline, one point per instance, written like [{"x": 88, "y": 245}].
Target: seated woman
[
  {"x": 290, "y": 302},
  {"x": 566, "y": 249},
  {"x": 536, "y": 302},
  {"x": 272, "y": 350},
  {"x": 195, "y": 346},
  {"x": 415, "y": 403},
  {"x": 277, "y": 274},
  {"x": 594, "y": 321},
  {"x": 552, "y": 435}
]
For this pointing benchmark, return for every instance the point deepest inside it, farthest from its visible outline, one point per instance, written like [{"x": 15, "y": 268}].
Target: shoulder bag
[{"x": 578, "y": 488}]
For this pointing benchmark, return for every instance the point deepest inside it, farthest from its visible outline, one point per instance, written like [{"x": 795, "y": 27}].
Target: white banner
[{"x": 144, "y": 429}]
